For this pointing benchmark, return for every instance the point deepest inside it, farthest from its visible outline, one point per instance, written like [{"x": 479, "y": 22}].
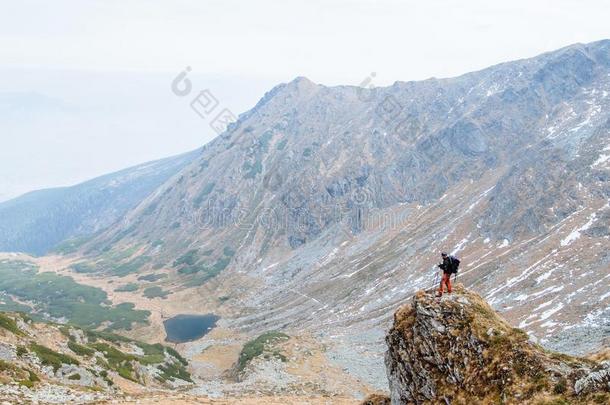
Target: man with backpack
[{"x": 449, "y": 266}]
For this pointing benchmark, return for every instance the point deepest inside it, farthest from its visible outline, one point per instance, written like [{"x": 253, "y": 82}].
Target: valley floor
[
  {"x": 54, "y": 395},
  {"x": 308, "y": 376},
  {"x": 253, "y": 400}
]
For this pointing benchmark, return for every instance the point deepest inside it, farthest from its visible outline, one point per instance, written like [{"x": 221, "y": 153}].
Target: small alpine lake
[{"x": 186, "y": 328}]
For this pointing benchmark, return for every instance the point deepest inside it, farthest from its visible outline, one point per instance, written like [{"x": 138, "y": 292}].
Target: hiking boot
[{"x": 438, "y": 295}]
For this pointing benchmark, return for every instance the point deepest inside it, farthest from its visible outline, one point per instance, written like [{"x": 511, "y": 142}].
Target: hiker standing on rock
[{"x": 449, "y": 266}]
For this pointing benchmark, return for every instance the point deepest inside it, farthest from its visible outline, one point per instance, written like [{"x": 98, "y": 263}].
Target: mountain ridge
[
  {"x": 578, "y": 46},
  {"x": 39, "y": 220}
]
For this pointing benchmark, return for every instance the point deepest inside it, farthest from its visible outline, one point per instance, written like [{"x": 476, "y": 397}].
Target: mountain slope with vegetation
[
  {"x": 38, "y": 221},
  {"x": 46, "y": 295},
  {"x": 49, "y": 362}
]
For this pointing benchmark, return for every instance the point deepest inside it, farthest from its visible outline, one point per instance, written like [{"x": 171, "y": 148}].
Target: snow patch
[
  {"x": 474, "y": 204},
  {"x": 544, "y": 304},
  {"x": 548, "y": 313},
  {"x": 546, "y": 275},
  {"x": 460, "y": 245},
  {"x": 575, "y": 234},
  {"x": 504, "y": 244},
  {"x": 601, "y": 160}
]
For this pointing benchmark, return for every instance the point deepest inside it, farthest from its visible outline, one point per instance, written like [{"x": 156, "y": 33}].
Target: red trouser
[{"x": 445, "y": 280}]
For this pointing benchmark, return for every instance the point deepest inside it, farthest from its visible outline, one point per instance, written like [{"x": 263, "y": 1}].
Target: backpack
[{"x": 455, "y": 263}]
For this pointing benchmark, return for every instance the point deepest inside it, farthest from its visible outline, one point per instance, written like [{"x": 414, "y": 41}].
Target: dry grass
[
  {"x": 603, "y": 355},
  {"x": 376, "y": 399}
]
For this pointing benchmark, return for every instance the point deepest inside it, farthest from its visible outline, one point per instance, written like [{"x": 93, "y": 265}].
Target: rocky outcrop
[{"x": 457, "y": 350}]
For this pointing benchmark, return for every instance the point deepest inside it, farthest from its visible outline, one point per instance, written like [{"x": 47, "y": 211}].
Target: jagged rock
[
  {"x": 7, "y": 352},
  {"x": 457, "y": 350},
  {"x": 594, "y": 381}
]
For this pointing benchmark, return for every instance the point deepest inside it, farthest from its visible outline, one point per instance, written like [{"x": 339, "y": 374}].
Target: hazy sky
[{"x": 85, "y": 85}]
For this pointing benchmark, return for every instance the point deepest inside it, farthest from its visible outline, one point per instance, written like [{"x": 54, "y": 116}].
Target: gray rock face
[
  {"x": 594, "y": 381},
  {"x": 312, "y": 156}
]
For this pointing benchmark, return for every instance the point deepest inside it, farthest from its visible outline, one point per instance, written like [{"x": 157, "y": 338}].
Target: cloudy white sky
[{"x": 85, "y": 85}]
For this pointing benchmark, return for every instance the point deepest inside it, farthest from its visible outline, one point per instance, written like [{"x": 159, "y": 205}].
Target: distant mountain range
[{"x": 36, "y": 222}]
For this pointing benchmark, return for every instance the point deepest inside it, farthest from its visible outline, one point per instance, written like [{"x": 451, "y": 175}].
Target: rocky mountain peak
[
  {"x": 458, "y": 350},
  {"x": 280, "y": 98},
  {"x": 302, "y": 81},
  {"x": 297, "y": 91}
]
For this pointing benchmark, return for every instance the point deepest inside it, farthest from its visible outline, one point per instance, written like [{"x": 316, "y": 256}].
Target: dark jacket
[{"x": 446, "y": 265}]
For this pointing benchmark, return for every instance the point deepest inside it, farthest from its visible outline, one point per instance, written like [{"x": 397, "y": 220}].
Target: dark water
[{"x": 186, "y": 328}]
